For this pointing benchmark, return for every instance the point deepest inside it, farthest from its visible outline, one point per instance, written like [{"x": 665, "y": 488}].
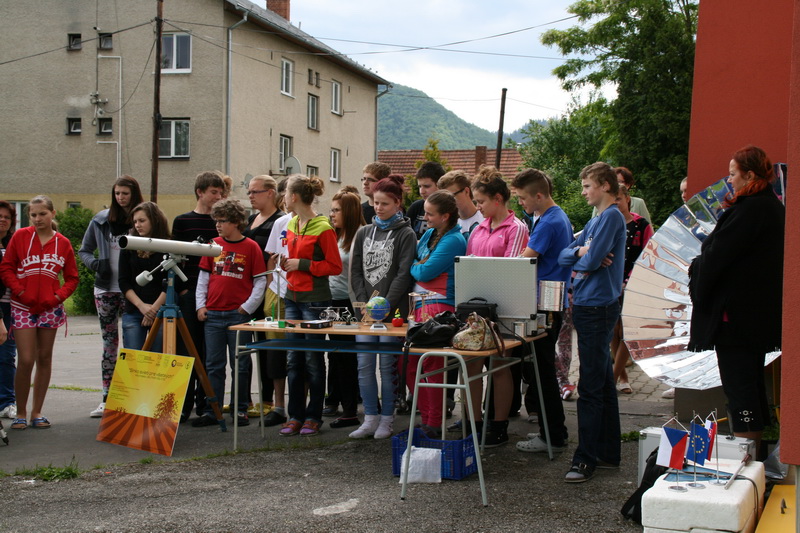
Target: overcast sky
[{"x": 468, "y": 84}]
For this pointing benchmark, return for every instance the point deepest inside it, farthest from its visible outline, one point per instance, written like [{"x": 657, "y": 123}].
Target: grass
[
  {"x": 74, "y": 387},
  {"x": 50, "y": 472},
  {"x": 631, "y": 436}
]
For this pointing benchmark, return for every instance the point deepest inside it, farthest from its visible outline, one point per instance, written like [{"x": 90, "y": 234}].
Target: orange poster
[{"x": 145, "y": 401}]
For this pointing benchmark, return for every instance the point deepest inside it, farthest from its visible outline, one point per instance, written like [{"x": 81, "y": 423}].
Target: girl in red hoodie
[{"x": 31, "y": 265}]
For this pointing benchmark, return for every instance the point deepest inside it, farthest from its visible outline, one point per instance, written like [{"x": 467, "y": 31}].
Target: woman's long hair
[
  {"x": 445, "y": 203},
  {"x": 352, "y": 216},
  {"x": 116, "y": 212},
  {"x": 752, "y": 159}
]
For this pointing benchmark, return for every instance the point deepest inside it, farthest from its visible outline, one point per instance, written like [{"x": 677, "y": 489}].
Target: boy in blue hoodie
[{"x": 597, "y": 256}]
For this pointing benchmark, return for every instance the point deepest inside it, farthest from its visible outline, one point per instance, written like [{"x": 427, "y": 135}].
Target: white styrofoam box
[
  {"x": 712, "y": 509},
  {"x": 735, "y": 448}
]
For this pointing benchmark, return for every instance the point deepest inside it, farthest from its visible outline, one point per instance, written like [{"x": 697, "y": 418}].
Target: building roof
[
  {"x": 403, "y": 161},
  {"x": 282, "y": 27}
]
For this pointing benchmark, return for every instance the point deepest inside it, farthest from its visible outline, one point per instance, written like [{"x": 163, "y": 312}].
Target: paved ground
[{"x": 325, "y": 483}]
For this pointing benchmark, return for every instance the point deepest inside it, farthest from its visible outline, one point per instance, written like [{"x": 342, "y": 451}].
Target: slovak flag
[
  {"x": 698, "y": 444},
  {"x": 711, "y": 426},
  {"x": 672, "y": 448}
]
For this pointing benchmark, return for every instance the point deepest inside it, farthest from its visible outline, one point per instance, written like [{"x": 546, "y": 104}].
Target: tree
[
  {"x": 431, "y": 152},
  {"x": 646, "y": 48},
  {"x": 562, "y": 146}
]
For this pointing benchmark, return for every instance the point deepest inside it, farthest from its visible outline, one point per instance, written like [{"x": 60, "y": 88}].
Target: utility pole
[
  {"x": 499, "y": 151},
  {"x": 156, "y": 103}
]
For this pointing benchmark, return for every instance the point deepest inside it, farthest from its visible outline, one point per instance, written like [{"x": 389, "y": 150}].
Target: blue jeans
[
  {"x": 8, "y": 353},
  {"x": 598, "y": 409},
  {"x": 219, "y": 338},
  {"x": 368, "y": 382},
  {"x": 302, "y": 367},
  {"x": 134, "y": 333}
]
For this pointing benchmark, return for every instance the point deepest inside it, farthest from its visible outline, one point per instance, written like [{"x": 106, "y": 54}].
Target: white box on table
[
  {"x": 709, "y": 510},
  {"x": 735, "y": 448}
]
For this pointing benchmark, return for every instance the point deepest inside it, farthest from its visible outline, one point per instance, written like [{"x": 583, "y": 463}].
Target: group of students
[{"x": 286, "y": 258}]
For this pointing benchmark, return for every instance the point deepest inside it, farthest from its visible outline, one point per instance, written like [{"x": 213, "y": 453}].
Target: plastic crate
[{"x": 458, "y": 456}]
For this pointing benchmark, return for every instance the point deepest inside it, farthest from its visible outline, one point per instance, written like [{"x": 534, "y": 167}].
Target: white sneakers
[
  {"x": 536, "y": 444},
  {"x": 9, "y": 411},
  {"x": 98, "y": 413},
  {"x": 367, "y": 427},
  {"x": 669, "y": 394},
  {"x": 384, "y": 430}
]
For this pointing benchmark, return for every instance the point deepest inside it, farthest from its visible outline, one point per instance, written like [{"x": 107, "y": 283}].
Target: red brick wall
[{"x": 281, "y": 7}]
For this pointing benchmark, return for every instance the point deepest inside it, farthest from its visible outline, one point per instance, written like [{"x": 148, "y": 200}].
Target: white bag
[{"x": 425, "y": 467}]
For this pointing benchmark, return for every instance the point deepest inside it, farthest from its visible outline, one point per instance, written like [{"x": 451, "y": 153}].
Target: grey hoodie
[{"x": 381, "y": 261}]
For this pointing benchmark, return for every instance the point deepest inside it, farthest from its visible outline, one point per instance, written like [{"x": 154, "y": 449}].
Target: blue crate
[{"x": 458, "y": 456}]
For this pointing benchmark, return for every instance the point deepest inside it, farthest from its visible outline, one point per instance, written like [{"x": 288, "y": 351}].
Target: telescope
[
  {"x": 177, "y": 250},
  {"x": 166, "y": 246}
]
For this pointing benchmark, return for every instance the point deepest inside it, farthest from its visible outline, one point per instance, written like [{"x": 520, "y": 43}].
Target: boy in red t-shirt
[{"x": 230, "y": 288}]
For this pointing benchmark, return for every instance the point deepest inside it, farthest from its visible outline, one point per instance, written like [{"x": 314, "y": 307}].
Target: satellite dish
[{"x": 292, "y": 166}]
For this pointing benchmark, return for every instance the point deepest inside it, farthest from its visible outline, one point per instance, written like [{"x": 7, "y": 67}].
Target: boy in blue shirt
[
  {"x": 550, "y": 234},
  {"x": 597, "y": 256}
]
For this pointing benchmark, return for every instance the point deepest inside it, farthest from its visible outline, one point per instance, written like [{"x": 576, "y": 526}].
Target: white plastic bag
[{"x": 425, "y": 467}]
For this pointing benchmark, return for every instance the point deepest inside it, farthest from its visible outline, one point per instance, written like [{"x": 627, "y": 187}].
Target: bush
[{"x": 72, "y": 223}]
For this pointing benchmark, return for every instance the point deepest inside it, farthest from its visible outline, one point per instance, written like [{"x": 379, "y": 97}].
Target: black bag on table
[{"x": 477, "y": 305}]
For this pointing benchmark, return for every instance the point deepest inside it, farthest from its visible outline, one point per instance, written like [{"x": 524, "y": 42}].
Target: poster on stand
[{"x": 145, "y": 401}]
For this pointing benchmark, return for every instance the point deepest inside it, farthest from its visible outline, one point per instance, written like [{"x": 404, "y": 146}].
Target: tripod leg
[
  {"x": 201, "y": 372},
  {"x": 151, "y": 335}
]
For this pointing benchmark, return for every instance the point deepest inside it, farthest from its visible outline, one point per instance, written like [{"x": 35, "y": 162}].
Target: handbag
[
  {"x": 477, "y": 305},
  {"x": 478, "y": 335}
]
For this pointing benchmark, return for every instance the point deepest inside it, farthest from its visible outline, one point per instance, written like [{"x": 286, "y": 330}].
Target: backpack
[{"x": 632, "y": 509}]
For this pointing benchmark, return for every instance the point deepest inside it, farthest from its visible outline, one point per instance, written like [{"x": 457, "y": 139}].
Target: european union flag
[{"x": 697, "y": 450}]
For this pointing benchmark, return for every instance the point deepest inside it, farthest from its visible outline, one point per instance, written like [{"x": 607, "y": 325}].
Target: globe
[{"x": 378, "y": 308}]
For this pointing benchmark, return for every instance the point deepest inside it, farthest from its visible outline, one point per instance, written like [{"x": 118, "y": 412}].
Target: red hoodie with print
[{"x": 31, "y": 270}]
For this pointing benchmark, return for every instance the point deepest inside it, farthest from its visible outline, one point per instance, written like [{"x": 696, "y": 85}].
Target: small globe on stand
[{"x": 377, "y": 308}]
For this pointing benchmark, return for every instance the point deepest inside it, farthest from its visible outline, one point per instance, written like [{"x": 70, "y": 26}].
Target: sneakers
[
  {"x": 330, "y": 410},
  {"x": 669, "y": 394},
  {"x": 497, "y": 433},
  {"x": 9, "y": 411},
  {"x": 538, "y": 445},
  {"x": 310, "y": 427},
  {"x": 367, "y": 427},
  {"x": 244, "y": 420},
  {"x": 384, "y": 429},
  {"x": 579, "y": 473},
  {"x": 290, "y": 428},
  {"x": 345, "y": 422},
  {"x": 273, "y": 419},
  {"x": 203, "y": 421},
  {"x": 98, "y": 413},
  {"x": 566, "y": 391},
  {"x": 256, "y": 408}
]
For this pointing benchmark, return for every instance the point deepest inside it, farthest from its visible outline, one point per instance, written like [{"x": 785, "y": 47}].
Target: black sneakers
[{"x": 497, "y": 433}]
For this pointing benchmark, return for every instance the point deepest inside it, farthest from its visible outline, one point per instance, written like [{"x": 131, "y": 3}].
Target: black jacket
[{"x": 740, "y": 272}]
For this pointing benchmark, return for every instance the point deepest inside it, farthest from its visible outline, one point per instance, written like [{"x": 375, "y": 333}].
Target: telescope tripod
[{"x": 171, "y": 319}]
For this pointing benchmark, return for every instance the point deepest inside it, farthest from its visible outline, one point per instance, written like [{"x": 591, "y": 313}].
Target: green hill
[{"x": 407, "y": 118}]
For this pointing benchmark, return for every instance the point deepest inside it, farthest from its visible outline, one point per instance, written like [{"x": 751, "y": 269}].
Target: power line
[
  {"x": 152, "y": 48},
  {"x": 67, "y": 46}
]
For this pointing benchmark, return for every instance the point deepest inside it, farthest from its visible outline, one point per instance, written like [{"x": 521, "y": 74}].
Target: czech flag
[
  {"x": 698, "y": 444},
  {"x": 711, "y": 426},
  {"x": 672, "y": 448}
]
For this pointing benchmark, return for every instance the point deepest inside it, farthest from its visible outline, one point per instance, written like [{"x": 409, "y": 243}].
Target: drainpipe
[
  {"x": 119, "y": 122},
  {"x": 229, "y": 100},
  {"x": 376, "y": 118}
]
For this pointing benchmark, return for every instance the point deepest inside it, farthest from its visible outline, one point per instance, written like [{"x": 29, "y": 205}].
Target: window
[
  {"x": 287, "y": 80},
  {"x": 73, "y": 126},
  {"x": 336, "y": 97},
  {"x": 105, "y": 41},
  {"x": 73, "y": 205},
  {"x": 104, "y": 126},
  {"x": 311, "y": 76},
  {"x": 23, "y": 220},
  {"x": 173, "y": 139},
  {"x": 312, "y": 171},
  {"x": 176, "y": 53},
  {"x": 316, "y": 78},
  {"x": 74, "y": 41},
  {"x": 313, "y": 112},
  {"x": 284, "y": 151},
  {"x": 336, "y": 164}
]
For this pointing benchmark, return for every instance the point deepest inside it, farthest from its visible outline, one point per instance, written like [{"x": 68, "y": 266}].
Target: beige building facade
[{"x": 242, "y": 90}]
